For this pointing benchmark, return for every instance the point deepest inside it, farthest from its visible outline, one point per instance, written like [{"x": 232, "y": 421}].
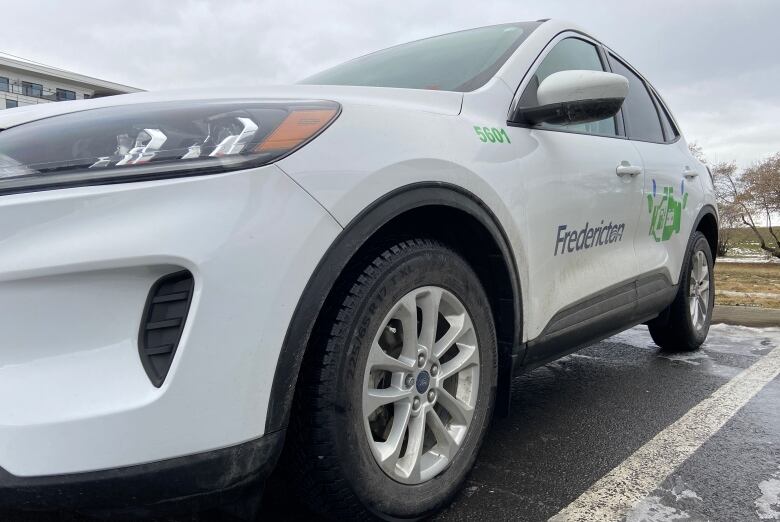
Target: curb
[{"x": 746, "y": 316}]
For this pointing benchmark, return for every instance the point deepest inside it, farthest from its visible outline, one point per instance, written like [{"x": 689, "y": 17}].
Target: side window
[
  {"x": 32, "y": 89},
  {"x": 570, "y": 54},
  {"x": 641, "y": 115},
  {"x": 64, "y": 94},
  {"x": 670, "y": 131}
]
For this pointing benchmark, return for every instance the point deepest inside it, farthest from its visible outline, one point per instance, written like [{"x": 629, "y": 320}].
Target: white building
[{"x": 23, "y": 82}]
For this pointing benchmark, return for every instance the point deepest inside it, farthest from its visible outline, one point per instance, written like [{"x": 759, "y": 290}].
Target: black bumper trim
[{"x": 208, "y": 474}]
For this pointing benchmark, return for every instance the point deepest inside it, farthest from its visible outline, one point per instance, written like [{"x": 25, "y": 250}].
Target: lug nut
[
  {"x": 409, "y": 381},
  {"x": 416, "y": 403},
  {"x": 421, "y": 360},
  {"x": 434, "y": 370},
  {"x": 431, "y": 395}
]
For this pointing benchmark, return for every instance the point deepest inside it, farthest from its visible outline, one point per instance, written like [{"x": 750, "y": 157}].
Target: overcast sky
[{"x": 716, "y": 63}]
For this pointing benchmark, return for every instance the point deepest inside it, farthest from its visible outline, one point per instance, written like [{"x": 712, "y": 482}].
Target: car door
[
  {"x": 581, "y": 234},
  {"x": 672, "y": 190}
]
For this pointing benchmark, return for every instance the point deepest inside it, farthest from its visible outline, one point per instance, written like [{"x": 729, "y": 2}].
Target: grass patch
[
  {"x": 750, "y": 280},
  {"x": 744, "y": 243}
]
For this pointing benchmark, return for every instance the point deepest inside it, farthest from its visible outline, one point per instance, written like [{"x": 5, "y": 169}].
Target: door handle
[
  {"x": 627, "y": 169},
  {"x": 690, "y": 173}
]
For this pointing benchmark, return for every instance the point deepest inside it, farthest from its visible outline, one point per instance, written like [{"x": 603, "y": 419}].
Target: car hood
[{"x": 440, "y": 102}]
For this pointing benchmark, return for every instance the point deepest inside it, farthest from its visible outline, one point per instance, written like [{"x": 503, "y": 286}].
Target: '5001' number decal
[{"x": 493, "y": 135}]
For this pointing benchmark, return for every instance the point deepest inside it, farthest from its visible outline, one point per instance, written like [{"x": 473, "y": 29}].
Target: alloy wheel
[
  {"x": 420, "y": 385},
  {"x": 699, "y": 294}
]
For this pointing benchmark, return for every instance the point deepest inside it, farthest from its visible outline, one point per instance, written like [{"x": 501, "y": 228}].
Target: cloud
[{"x": 713, "y": 61}]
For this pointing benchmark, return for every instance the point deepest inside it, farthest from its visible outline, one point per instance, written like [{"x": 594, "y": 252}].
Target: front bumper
[
  {"x": 206, "y": 479},
  {"x": 76, "y": 267}
]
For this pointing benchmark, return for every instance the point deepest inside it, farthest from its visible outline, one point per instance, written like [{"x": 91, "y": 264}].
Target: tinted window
[
  {"x": 571, "y": 54},
  {"x": 670, "y": 131},
  {"x": 3, "y": 84},
  {"x": 32, "y": 89},
  {"x": 10, "y": 104},
  {"x": 461, "y": 61},
  {"x": 64, "y": 94},
  {"x": 642, "y": 118}
]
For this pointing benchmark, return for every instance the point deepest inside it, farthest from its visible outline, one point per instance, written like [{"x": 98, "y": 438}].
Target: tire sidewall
[
  {"x": 433, "y": 266},
  {"x": 698, "y": 243}
]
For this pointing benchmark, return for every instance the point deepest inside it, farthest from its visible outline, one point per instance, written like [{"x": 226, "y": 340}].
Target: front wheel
[
  {"x": 685, "y": 323},
  {"x": 394, "y": 405}
]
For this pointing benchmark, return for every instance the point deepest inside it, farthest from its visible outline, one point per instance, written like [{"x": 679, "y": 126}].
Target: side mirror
[{"x": 568, "y": 97}]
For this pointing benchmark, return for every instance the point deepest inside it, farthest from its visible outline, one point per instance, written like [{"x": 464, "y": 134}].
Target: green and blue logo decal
[{"x": 666, "y": 211}]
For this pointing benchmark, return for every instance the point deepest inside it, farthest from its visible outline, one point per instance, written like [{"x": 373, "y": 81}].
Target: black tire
[
  {"x": 674, "y": 329},
  {"x": 334, "y": 470}
]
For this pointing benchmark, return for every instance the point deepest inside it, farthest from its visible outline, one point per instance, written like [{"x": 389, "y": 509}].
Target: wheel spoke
[
  {"x": 379, "y": 360},
  {"x": 429, "y": 304},
  {"x": 374, "y": 398},
  {"x": 694, "y": 310},
  {"x": 459, "y": 326},
  {"x": 390, "y": 449},
  {"x": 468, "y": 356},
  {"x": 444, "y": 438},
  {"x": 705, "y": 272},
  {"x": 410, "y": 462},
  {"x": 407, "y": 313},
  {"x": 702, "y": 309},
  {"x": 704, "y": 287},
  {"x": 460, "y": 411}
]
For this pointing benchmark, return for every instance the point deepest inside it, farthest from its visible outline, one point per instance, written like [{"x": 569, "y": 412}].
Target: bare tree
[
  {"x": 760, "y": 184},
  {"x": 724, "y": 179},
  {"x": 752, "y": 196}
]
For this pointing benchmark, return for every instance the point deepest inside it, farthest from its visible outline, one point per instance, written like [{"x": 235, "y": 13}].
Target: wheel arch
[
  {"x": 419, "y": 208},
  {"x": 707, "y": 223}
]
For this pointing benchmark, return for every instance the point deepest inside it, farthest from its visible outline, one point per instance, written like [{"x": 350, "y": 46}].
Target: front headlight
[{"x": 155, "y": 140}]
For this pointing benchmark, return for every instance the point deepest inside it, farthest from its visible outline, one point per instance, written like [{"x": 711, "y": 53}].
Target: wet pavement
[{"x": 576, "y": 419}]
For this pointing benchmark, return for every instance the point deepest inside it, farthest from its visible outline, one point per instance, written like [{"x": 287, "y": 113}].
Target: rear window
[{"x": 461, "y": 61}]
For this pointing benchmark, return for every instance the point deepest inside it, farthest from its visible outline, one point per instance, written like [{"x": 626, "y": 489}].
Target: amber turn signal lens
[{"x": 296, "y": 128}]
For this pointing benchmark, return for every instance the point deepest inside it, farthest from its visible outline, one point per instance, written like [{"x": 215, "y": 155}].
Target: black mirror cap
[{"x": 567, "y": 113}]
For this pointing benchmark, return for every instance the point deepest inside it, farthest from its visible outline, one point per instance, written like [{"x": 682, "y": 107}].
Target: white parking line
[{"x": 636, "y": 477}]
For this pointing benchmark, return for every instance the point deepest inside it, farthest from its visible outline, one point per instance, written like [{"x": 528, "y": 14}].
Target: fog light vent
[{"x": 163, "y": 322}]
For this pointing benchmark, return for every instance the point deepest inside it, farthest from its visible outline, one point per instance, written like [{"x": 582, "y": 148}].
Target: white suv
[{"x": 352, "y": 269}]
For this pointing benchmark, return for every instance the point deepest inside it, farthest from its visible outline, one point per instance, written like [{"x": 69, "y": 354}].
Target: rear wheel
[
  {"x": 685, "y": 323},
  {"x": 394, "y": 406}
]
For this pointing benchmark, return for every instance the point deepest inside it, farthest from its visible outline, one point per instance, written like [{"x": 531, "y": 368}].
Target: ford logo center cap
[{"x": 423, "y": 380}]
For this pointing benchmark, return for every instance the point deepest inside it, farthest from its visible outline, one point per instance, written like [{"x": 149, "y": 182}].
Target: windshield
[{"x": 461, "y": 61}]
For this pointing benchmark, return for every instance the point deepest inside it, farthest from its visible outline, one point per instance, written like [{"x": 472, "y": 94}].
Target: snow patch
[
  {"x": 582, "y": 356},
  {"x": 637, "y": 336},
  {"x": 660, "y": 507},
  {"x": 740, "y": 340},
  {"x": 694, "y": 359},
  {"x": 652, "y": 509},
  {"x": 722, "y": 339},
  {"x": 686, "y": 494},
  {"x": 768, "y": 504}
]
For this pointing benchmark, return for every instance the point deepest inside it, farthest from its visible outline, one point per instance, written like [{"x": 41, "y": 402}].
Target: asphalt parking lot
[{"x": 625, "y": 405}]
